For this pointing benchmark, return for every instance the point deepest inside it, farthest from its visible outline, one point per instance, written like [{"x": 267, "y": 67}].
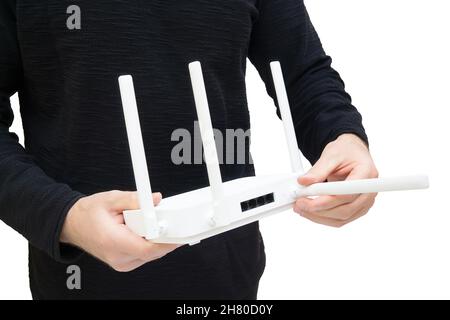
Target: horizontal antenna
[{"x": 364, "y": 186}]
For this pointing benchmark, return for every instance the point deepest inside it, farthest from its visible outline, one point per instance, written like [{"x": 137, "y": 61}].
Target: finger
[
  {"x": 323, "y": 202},
  {"x": 320, "y": 220},
  {"x": 360, "y": 214},
  {"x": 124, "y": 264},
  {"x": 128, "y": 266},
  {"x": 330, "y": 202},
  {"x": 334, "y": 222},
  {"x": 129, "y": 243},
  {"x": 128, "y": 200},
  {"x": 120, "y": 261},
  {"x": 319, "y": 172},
  {"x": 347, "y": 211},
  {"x": 160, "y": 250}
]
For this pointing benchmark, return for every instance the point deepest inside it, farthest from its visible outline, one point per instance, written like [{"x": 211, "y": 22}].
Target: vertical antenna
[
  {"x": 138, "y": 158},
  {"x": 286, "y": 117},
  {"x": 206, "y": 130}
]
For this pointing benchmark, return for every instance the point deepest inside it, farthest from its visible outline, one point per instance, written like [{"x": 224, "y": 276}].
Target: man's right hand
[{"x": 96, "y": 225}]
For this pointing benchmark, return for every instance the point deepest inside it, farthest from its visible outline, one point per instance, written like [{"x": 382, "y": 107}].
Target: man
[{"x": 64, "y": 59}]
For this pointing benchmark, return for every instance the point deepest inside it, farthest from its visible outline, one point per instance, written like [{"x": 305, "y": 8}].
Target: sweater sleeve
[
  {"x": 321, "y": 108},
  {"x": 30, "y": 202}
]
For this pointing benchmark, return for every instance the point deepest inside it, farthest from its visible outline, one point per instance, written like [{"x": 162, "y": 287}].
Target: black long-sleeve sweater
[{"x": 75, "y": 138}]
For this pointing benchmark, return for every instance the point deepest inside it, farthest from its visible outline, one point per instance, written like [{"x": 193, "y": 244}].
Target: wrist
[
  {"x": 352, "y": 138},
  {"x": 67, "y": 232}
]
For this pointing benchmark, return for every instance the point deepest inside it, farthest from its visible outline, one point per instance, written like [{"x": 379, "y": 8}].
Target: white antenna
[
  {"x": 286, "y": 117},
  {"x": 207, "y": 134},
  {"x": 138, "y": 158},
  {"x": 365, "y": 186}
]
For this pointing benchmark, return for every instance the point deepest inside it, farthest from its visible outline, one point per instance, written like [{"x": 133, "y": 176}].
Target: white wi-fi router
[{"x": 190, "y": 217}]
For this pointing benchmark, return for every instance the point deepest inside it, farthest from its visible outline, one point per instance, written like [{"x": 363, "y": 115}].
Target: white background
[{"x": 394, "y": 58}]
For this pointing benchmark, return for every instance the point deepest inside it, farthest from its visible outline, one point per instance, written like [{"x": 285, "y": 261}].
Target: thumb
[
  {"x": 319, "y": 172},
  {"x": 129, "y": 200}
]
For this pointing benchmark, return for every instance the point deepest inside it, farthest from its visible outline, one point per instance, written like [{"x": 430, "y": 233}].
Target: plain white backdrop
[{"x": 394, "y": 58}]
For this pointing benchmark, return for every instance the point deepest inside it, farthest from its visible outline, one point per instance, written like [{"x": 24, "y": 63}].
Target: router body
[{"x": 190, "y": 217}]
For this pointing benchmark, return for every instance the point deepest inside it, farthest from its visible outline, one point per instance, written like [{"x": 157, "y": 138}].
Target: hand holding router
[{"x": 193, "y": 216}]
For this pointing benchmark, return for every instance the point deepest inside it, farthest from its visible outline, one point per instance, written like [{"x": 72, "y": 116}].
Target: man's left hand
[{"x": 346, "y": 158}]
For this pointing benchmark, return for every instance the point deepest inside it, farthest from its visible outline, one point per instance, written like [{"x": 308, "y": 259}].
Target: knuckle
[
  {"x": 115, "y": 267},
  {"x": 374, "y": 173},
  {"x": 341, "y": 224},
  {"x": 344, "y": 217},
  {"x": 121, "y": 268},
  {"x": 310, "y": 207},
  {"x": 364, "y": 212},
  {"x": 316, "y": 206},
  {"x": 297, "y": 209},
  {"x": 336, "y": 224}
]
